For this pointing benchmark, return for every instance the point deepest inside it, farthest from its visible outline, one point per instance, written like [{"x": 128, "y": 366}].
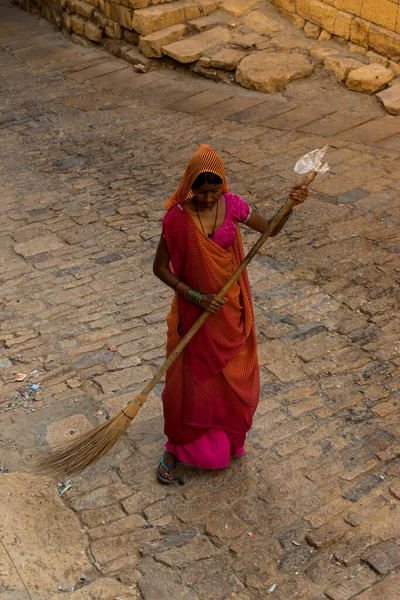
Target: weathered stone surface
[
  {"x": 102, "y": 589},
  {"x": 165, "y": 588},
  {"x": 320, "y": 53},
  {"x": 81, "y": 7},
  {"x": 388, "y": 589},
  {"x": 45, "y": 243},
  {"x": 390, "y": 99},
  {"x": 190, "y": 49},
  {"x": 227, "y": 59},
  {"x": 341, "y": 66},
  {"x": 261, "y": 23},
  {"x": 213, "y": 20},
  {"x": 102, "y": 497},
  {"x": 312, "y": 31},
  {"x": 198, "y": 548},
  {"x": 220, "y": 585},
  {"x": 224, "y": 525},
  {"x": 66, "y": 430},
  {"x": 92, "y": 32},
  {"x": 267, "y": 72},
  {"x": 33, "y": 520},
  {"x": 151, "y": 45},
  {"x": 237, "y": 7},
  {"x": 383, "y": 558},
  {"x": 370, "y": 78},
  {"x": 154, "y": 18}
]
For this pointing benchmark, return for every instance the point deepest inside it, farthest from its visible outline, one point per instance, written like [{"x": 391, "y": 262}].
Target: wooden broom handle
[{"x": 278, "y": 218}]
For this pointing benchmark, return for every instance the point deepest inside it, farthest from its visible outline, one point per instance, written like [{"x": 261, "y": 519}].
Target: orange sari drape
[{"x": 214, "y": 383}]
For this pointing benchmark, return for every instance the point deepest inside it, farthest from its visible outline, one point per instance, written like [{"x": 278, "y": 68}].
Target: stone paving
[{"x": 89, "y": 152}]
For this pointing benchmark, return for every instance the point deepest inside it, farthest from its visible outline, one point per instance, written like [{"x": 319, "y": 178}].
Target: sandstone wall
[
  {"x": 373, "y": 24},
  {"x": 99, "y": 20}
]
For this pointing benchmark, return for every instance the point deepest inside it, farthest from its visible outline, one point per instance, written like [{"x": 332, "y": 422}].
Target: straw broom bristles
[{"x": 75, "y": 456}]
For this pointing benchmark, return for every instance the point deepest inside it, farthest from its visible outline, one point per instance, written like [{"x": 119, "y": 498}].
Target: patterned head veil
[{"x": 204, "y": 160}]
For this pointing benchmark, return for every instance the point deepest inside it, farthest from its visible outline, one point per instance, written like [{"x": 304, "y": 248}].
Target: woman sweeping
[{"x": 212, "y": 389}]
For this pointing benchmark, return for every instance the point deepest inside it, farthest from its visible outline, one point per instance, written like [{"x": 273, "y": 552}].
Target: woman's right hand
[{"x": 211, "y": 303}]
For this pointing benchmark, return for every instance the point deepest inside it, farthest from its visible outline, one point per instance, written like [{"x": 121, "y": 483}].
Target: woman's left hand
[{"x": 299, "y": 193}]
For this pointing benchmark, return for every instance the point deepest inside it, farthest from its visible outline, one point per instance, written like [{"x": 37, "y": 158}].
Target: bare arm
[
  {"x": 298, "y": 193},
  {"x": 161, "y": 270}
]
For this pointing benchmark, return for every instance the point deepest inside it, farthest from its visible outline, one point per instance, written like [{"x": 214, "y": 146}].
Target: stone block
[
  {"x": 390, "y": 99},
  {"x": 351, "y": 6},
  {"x": 270, "y": 72},
  {"x": 262, "y": 23},
  {"x": 342, "y": 66},
  {"x": 77, "y": 26},
  {"x": 42, "y": 534},
  {"x": 285, "y": 5},
  {"x": 80, "y": 7},
  {"x": 153, "y": 18},
  {"x": 227, "y": 59},
  {"x": 384, "y": 42},
  {"x": 318, "y": 13},
  {"x": 388, "y": 589},
  {"x": 100, "y": 18},
  {"x": 151, "y": 45},
  {"x": 326, "y": 535},
  {"x": 121, "y": 14},
  {"x": 209, "y": 21},
  {"x": 383, "y": 13},
  {"x": 224, "y": 525},
  {"x": 319, "y": 53},
  {"x": 342, "y": 26},
  {"x": 66, "y": 430},
  {"x": 113, "y": 30},
  {"x": 102, "y": 588},
  {"x": 369, "y": 79},
  {"x": 102, "y": 497},
  {"x": 395, "y": 489},
  {"x": 93, "y": 32},
  {"x": 350, "y": 588},
  {"x": 311, "y": 30},
  {"x": 237, "y": 7},
  {"x": 383, "y": 558},
  {"x": 190, "y": 49},
  {"x": 359, "y": 32}
]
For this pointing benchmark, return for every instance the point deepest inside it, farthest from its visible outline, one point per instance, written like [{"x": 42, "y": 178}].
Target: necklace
[{"x": 209, "y": 235}]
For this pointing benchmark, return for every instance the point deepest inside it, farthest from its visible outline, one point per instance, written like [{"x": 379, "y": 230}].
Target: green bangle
[{"x": 194, "y": 296}]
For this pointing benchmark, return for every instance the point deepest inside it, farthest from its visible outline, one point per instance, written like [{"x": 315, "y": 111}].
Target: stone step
[
  {"x": 153, "y": 18},
  {"x": 192, "y": 48}
]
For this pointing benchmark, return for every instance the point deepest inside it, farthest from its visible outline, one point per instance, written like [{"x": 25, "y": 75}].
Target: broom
[{"x": 75, "y": 456}]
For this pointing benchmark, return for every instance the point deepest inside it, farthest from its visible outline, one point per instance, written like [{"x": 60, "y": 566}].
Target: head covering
[{"x": 204, "y": 160}]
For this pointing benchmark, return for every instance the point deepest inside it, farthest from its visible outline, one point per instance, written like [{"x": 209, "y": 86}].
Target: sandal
[{"x": 169, "y": 470}]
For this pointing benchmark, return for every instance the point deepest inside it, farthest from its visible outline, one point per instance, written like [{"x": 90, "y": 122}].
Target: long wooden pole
[{"x": 278, "y": 218}]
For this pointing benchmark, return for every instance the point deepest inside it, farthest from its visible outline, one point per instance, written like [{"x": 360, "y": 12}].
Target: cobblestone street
[{"x": 90, "y": 150}]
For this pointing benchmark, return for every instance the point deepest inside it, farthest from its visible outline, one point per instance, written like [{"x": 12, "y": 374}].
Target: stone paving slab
[{"x": 311, "y": 510}]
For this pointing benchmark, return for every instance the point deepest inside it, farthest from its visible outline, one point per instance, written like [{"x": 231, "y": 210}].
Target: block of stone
[
  {"x": 160, "y": 16},
  {"x": 342, "y": 66},
  {"x": 369, "y": 79},
  {"x": 270, "y": 72},
  {"x": 151, "y": 45},
  {"x": 261, "y": 23},
  {"x": 78, "y": 24},
  {"x": 390, "y": 99},
  {"x": 92, "y": 32},
  {"x": 208, "y": 22},
  {"x": 312, "y": 31},
  {"x": 80, "y": 7},
  {"x": 319, "y": 53},
  {"x": 190, "y": 49},
  {"x": 237, "y": 7},
  {"x": 227, "y": 59}
]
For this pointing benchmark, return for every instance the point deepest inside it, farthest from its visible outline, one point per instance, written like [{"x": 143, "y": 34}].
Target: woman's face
[{"x": 207, "y": 195}]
